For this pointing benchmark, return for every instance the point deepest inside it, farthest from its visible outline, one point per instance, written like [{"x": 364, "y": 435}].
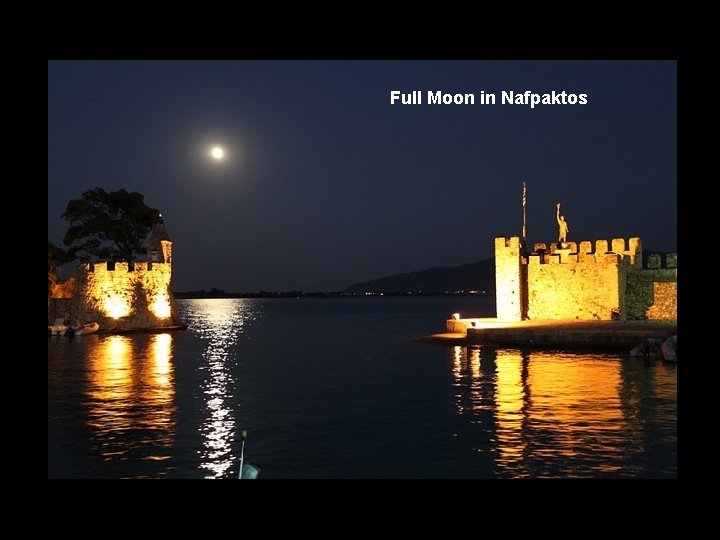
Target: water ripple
[
  {"x": 219, "y": 323},
  {"x": 552, "y": 414},
  {"x": 130, "y": 397}
]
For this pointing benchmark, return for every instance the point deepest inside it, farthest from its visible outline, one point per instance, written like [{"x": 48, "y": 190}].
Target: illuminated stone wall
[
  {"x": 652, "y": 292},
  {"x": 125, "y": 297},
  {"x": 509, "y": 279},
  {"x": 664, "y": 301},
  {"x": 121, "y": 298},
  {"x": 566, "y": 286},
  {"x": 584, "y": 281}
]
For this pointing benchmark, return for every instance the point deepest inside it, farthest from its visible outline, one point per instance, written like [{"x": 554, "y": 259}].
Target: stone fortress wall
[
  {"x": 584, "y": 281},
  {"x": 120, "y": 295}
]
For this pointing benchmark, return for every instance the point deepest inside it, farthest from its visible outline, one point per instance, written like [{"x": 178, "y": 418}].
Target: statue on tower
[{"x": 562, "y": 226}]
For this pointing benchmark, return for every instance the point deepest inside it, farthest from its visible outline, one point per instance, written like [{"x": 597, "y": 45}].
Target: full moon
[{"x": 217, "y": 153}]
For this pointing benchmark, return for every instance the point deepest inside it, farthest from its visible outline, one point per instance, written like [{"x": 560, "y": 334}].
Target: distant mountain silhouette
[{"x": 477, "y": 276}]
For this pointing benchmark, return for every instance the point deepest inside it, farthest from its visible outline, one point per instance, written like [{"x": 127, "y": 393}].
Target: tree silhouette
[{"x": 109, "y": 225}]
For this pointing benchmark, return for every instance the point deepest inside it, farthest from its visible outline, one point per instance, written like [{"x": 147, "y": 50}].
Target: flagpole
[{"x": 524, "y": 225}]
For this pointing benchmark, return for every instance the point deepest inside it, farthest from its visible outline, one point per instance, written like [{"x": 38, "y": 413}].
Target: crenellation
[
  {"x": 511, "y": 242},
  {"x": 120, "y": 266},
  {"x": 580, "y": 253},
  {"x": 603, "y": 285},
  {"x": 635, "y": 250},
  {"x": 586, "y": 257},
  {"x": 539, "y": 246},
  {"x": 630, "y": 249},
  {"x": 563, "y": 255},
  {"x": 654, "y": 261}
]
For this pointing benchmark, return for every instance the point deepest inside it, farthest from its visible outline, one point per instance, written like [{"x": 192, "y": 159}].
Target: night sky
[{"x": 327, "y": 183}]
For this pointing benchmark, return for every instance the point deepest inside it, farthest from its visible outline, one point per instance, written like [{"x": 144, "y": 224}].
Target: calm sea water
[{"x": 339, "y": 388}]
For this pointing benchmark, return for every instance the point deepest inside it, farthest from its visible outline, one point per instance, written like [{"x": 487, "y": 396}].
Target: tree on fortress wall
[{"x": 108, "y": 225}]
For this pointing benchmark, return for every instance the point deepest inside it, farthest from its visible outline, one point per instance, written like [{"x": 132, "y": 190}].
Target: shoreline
[{"x": 554, "y": 334}]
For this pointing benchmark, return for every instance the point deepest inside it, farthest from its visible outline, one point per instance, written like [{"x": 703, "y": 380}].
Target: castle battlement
[
  {"x": 656, "y": 262},
  {"x": 604, "y": 252},
  {"x": 123, "y": 266},
  {"x": 597, "y": 279},
  {"x": 564, "y": 257},
  {"x": 510, "y": 242}
]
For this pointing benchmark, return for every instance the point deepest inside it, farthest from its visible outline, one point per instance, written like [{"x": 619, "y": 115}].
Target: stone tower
[
  {"x": 159, "y": 245},
  {"x": 509, "y": 279}
]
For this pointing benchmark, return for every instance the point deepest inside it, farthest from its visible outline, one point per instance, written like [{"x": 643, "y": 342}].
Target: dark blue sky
[{"x": 328, "y": 184}]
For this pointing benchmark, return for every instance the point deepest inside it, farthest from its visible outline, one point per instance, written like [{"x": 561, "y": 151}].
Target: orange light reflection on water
[
  {"x": 575, "y": 405},
  {"x": 509, "y": 413},
  {"x": 546, "y": 412},
  {"x": 131, "y": 394}
]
